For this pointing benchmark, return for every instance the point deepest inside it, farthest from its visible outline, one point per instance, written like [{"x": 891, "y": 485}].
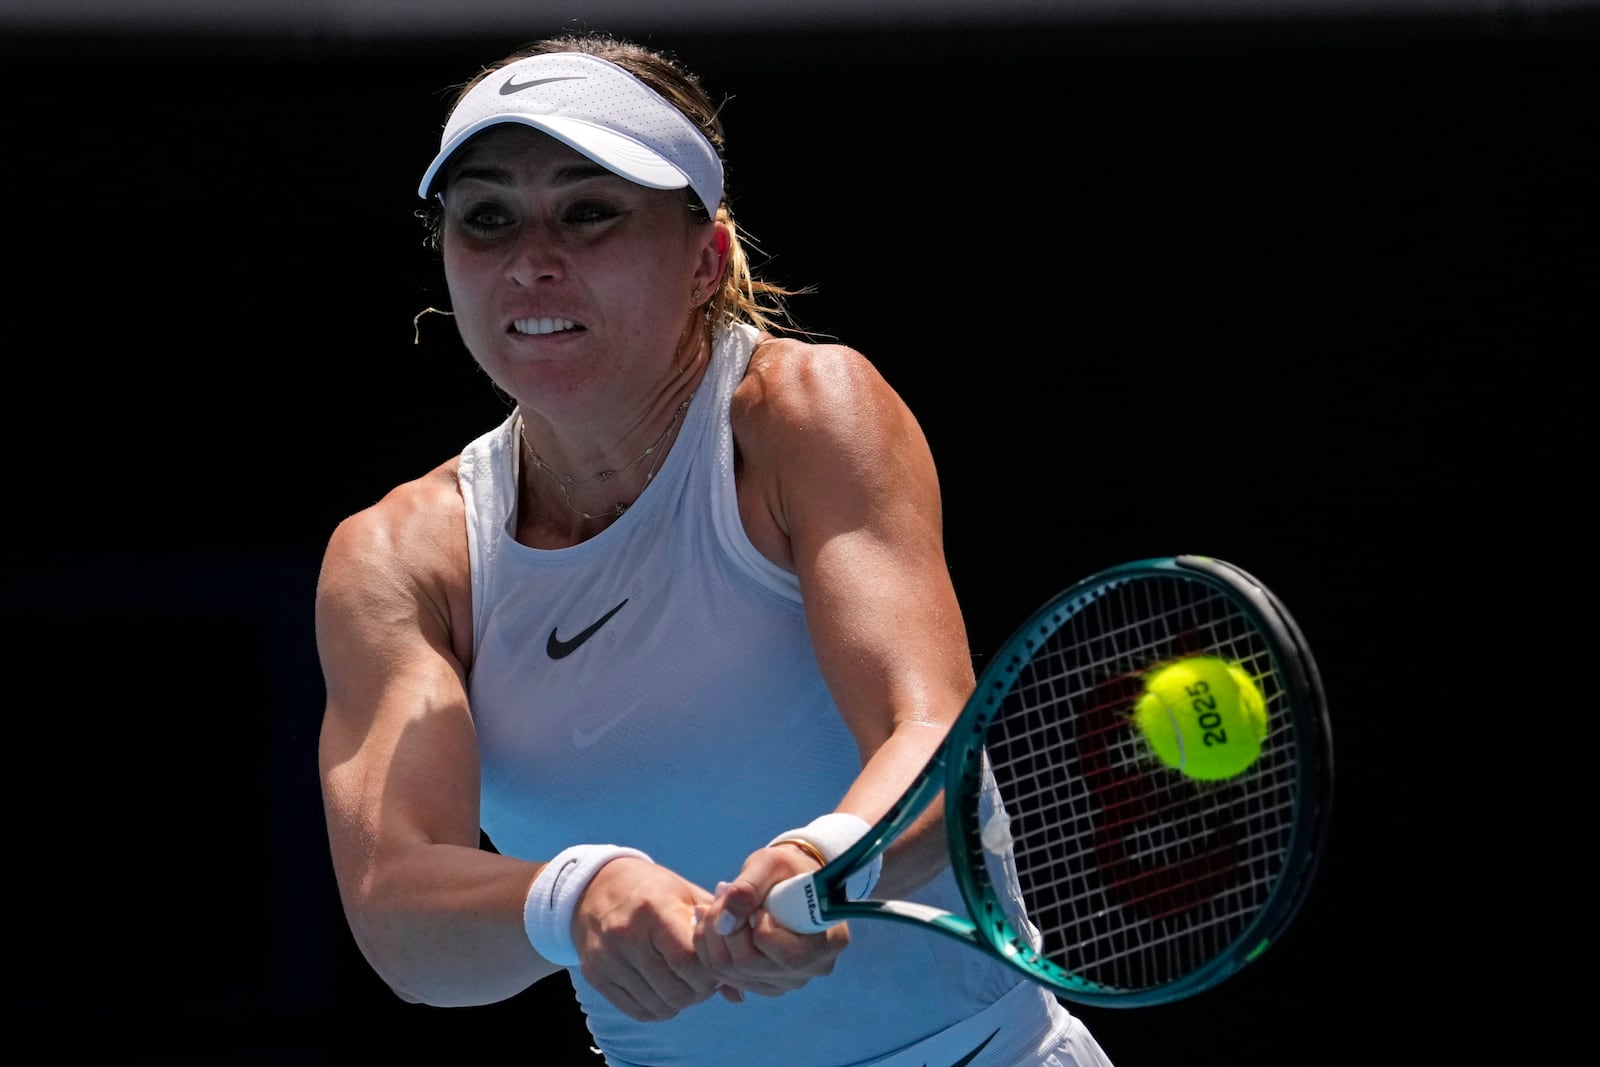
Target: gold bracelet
[{"x": 804, "y": 846}]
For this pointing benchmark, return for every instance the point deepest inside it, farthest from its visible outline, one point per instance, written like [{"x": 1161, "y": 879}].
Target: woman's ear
[{"x": 713, "y": 260}]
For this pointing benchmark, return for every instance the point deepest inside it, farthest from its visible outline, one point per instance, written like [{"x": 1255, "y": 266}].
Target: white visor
[{"x": 597, "y": 108}]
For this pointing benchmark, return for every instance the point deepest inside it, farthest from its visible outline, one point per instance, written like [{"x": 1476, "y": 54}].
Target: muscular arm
[
  {"x": 837, "y": 484},
  {"x": 859, "y": 500},
  {"x": 438, "y": 918}
]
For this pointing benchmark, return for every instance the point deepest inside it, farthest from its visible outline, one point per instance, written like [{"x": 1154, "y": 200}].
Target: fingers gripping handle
[{"x": 796, "y": 904}]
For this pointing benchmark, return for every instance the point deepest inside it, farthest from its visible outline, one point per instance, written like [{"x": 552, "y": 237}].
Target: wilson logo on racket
[
  {"x": 1130, "y": 803},
  {"x": 812, "y": 907}
]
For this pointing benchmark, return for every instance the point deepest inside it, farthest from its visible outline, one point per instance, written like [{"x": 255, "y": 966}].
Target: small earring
[{"x": 696, "y": 295}]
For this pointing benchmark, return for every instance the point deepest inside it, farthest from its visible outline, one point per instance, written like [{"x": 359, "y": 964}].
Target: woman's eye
[
  {"x": 590, "y": 211},
  {"x": 484, "y": 217}
]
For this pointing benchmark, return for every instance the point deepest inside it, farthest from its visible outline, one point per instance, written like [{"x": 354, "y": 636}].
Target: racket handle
[{"x": 796, "y": 903}]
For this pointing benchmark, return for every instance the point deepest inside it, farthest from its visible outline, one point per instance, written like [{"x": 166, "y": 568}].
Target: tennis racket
[{"x": 1083, "y": 860}]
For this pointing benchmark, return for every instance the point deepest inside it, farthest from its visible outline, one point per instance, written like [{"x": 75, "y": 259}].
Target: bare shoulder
[
  {"x": 799, "y": 387},
  {"x": 789, "y": 371},
  {"x": 410, "y": 525},
  {"x": 402, "y": 559},
  {"x": 823, "y": 442}
]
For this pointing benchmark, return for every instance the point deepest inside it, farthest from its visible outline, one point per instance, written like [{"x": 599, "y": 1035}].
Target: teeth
[{"x": 545, "y": 325}]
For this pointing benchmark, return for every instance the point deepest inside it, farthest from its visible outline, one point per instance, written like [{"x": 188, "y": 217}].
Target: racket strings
[{"x": 1132, "y": 875}]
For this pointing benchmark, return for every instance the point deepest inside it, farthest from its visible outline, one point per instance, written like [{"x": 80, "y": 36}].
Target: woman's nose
[{"x": 535, "y": 257}]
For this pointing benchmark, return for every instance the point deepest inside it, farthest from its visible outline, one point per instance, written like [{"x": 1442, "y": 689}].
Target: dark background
[{"x": 1314, "y": 295}]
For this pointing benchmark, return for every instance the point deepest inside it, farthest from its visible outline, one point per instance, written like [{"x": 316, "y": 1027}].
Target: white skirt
[{"x": 1028, "y": 1027}]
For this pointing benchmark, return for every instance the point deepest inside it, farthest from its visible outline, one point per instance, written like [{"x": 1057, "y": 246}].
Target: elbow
[
  {"x": 385, "y": 952},
  {"x": 403, "y": 994},
  {"x": 420, "y": 971},
  {"x": 412, "y": 985},
  {"x": 437, "y": 999},
  {"x": 386, "y": 965}
]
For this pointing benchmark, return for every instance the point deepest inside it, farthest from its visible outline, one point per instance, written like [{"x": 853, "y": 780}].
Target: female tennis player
[{"x": 676, "y": 629}]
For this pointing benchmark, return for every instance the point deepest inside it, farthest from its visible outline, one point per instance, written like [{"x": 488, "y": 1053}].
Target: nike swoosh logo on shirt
[
  {"x": 516, "y": 87},
  {"x": 559, "y": 649},
  {"x": 969, "y": 1057}
]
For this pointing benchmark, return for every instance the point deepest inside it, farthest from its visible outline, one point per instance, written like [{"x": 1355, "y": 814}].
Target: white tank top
[{"x": 655, "y": 686}]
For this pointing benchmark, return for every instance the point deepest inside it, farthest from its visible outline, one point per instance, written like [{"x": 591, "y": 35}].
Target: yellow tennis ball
[{"x": 1203, "y": 716}]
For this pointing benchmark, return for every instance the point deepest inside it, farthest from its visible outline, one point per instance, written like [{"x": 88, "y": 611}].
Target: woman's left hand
[{"x": 740, "y": 941}]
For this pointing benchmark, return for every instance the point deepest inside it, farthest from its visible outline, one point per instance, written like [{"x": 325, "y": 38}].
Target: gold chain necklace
[{"x": 563, "y": 481}]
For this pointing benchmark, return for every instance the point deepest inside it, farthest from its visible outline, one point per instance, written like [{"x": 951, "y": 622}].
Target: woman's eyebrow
[
  {"x": 493, "y": 174},
  {"x": 578, "y": 172}
]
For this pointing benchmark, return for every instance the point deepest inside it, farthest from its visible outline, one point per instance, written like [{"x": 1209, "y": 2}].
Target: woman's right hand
[{"x": 634, "y": 931}]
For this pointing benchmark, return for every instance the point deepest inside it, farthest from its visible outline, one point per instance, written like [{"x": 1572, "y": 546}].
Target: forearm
[
  {"x": 443, "y": 925},
  {"x": 920, "y": 852}
]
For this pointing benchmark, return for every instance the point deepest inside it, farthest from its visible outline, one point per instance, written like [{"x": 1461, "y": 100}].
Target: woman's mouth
[{"x": 540, "y": 326}]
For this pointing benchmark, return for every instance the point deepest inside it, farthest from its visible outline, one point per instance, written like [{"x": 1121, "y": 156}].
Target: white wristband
[
  {"x": 831, "y": 835},
  {"x": 553, "y": 897}
]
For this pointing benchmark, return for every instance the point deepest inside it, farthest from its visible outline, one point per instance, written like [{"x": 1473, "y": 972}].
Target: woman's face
[{"x": 567, "y": 281}]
